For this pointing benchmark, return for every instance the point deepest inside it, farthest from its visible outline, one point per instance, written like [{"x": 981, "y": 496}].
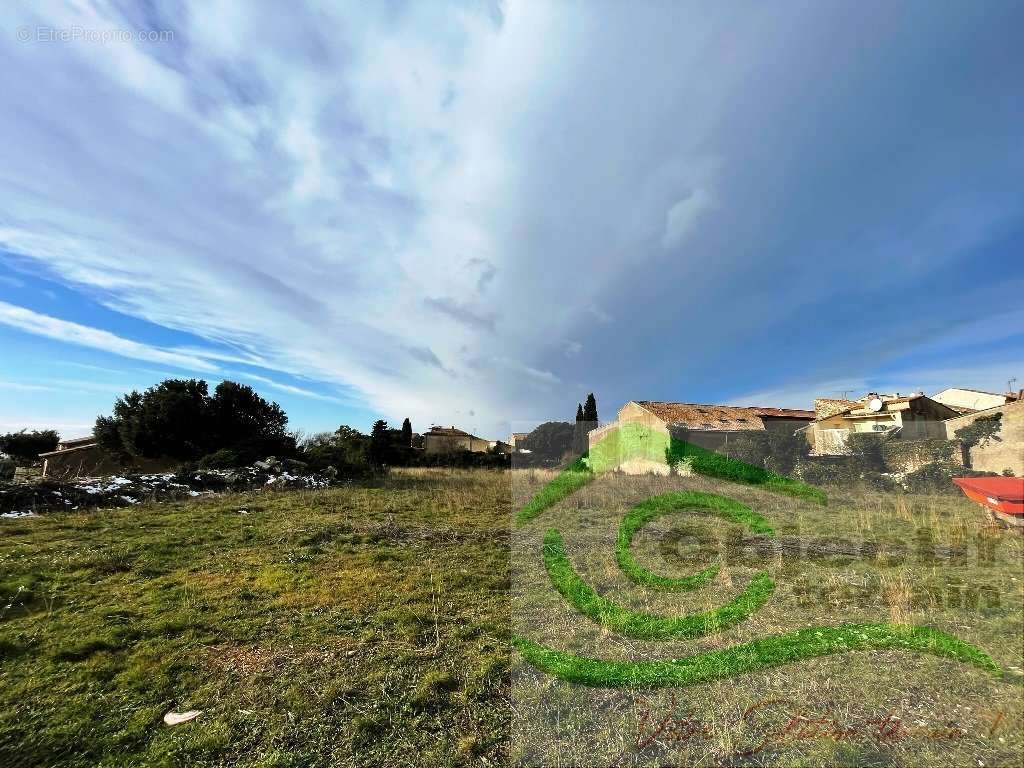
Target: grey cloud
[{"x": 462, "y": 313}]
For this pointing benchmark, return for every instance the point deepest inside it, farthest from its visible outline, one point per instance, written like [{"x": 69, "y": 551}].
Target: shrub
[
  {"x": 7, "y": 469},
  {"x": 225, "y": 458},
  {"x": 713, "y": 464},
  {"x": 932, "y": 477},
  {"x": 866, "y": 450},
  {"x": 827, "y": 471},
  {"x": 346, "y": 449},
  {"x": 776, "y": 451},
  {"x": 844, "y": 471},
  {"x": 465, "y": 459}
]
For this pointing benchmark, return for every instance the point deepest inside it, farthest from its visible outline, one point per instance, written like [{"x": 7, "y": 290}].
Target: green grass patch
[
  {"x": 647, "y": 626},
  {"x": 772, "y": 651},
  {"x": 332, "y": 627},
  {"x": 656, "y": 506}
]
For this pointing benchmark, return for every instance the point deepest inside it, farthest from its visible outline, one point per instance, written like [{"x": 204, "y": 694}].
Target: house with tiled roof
[
  {"x": 709, "y": 426},
  {"x": 451, "y": 439},
  {"x": 913, "y": 417}
]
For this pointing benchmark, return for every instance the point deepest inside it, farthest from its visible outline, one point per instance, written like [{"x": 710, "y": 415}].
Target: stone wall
[{"x": 1008, "y": 453}]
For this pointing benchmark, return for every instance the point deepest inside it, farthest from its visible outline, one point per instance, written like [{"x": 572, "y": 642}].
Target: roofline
[
  {"x": 1011, "y": 404},
  {"x": 759, "y": 408},
  {"x": 67, "y": 450},
  {"x": 977, "y": 391}
]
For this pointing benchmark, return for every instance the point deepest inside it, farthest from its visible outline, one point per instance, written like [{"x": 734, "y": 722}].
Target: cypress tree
[
  {"x": 590, "y": 410},
  {"x": 379, "y": 453},
  {"x": 406, "y": 433}
]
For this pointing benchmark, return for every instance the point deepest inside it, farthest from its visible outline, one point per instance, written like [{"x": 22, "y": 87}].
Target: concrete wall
[
  {"x": 995, "y": 457},
  {"x": 634, "y": 444},
  {"x": 783, "y": 424},
  {"x": 631, "y": 412},
  {"x": 925, "y": 419}
]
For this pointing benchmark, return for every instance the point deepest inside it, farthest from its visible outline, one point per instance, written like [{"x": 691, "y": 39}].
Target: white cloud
[
  {"x": 13, "y": 282},
  {"x": 81, "y": 335},
  {"x": 983, "y": 375},
  {"x": 19, "y": 386},
  {"x": 68, "y": 430},
  {"x": 418, "y": 201},
  {"x": 682, "y": 217},
  {"x": 290, "y": 388}
]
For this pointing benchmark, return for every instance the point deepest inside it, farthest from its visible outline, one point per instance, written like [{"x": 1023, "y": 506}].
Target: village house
[
  {"x": 909, "y": 417},
  {"x": 1006, "y": 453},
  {"x": 708, "y": 426},
  {"x": 77, "y": 457},
  {"x": 451, "y": 439},
  {"x": 964, "y": 400}
]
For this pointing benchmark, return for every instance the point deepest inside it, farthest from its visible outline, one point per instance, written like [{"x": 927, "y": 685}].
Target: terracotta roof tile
[{"x": 718, "y": 417}]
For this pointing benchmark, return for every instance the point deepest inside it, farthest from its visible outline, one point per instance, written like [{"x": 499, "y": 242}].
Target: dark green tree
[
  {"x": 579, "y": 434},
  {"x": 168, "y": 420},
  {"x": 24, "y": 447},
  {"x": 243, "y": 422},
  {"x": 380, "y": 443},
  {"x": 178, "y": 419},
  {"x": 406, "y": 433},
  {"x": 551, "y": 441},
  {"x": 590, "y": 410},
  {"x": 346, "y": 449}
]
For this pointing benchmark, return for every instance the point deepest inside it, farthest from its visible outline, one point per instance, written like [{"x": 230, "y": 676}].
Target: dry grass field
[{"x": 373, "y": 626}]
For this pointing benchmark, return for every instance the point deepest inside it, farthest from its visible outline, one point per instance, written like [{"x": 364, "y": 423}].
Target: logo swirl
[{"x": 635, "y": 441}]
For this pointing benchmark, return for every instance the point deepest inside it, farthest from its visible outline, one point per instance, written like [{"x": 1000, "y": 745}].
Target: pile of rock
[{"x": 127, "y": 490}]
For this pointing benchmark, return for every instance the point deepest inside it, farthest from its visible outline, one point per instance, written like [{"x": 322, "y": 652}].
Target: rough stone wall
[
  {"x": 910, "y": 455},
  {"x": 997, "y": 456}
]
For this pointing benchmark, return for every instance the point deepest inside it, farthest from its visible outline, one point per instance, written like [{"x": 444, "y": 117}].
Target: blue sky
[{"x": 475, "y": 213}]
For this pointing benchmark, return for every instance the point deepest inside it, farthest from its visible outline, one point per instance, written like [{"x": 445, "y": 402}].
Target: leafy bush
[
  {"x": 225, "y": 458},
  {"x": 7, "y": 469},
  {"x": 845, "y": 471},
  {"x": 467, "y": 459},
  {"x": 346, "y": 449},
  {"x": 776, "y": 451},
  {"x": 24, "y": 446},
  {"x": 713, "y": 464},
  {"x": 826, "y": 471},
  {"x": 932, "y": 477},
  {"x": 866, "y": 449}
]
